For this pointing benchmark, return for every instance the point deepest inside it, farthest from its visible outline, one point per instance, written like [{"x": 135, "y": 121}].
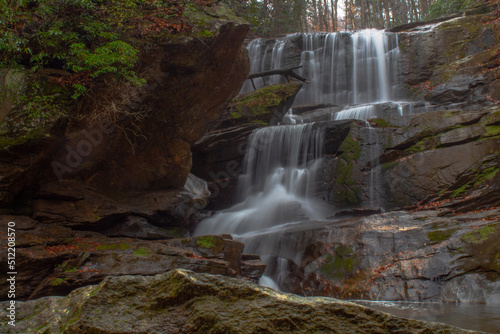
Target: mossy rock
[
  {"x": 440, "y": 235},
  {"x": 210, "y": 242},
  {"x": 346, "y": 189},
  {"x": 341, "y": 263},
  {"x": 263, "y": 100},
  {"x": 32, "y": 136}
]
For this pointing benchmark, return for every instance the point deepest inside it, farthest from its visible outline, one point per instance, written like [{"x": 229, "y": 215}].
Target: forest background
[{"x": 275, "y": 17}]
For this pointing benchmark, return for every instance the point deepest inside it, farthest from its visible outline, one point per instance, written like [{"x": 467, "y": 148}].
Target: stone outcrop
[
  {"x": 404, "y": 160},
  {"x": 144, "y": 142},
  {"x": 106, "y": 190},
  {"x": 181, "y": 301},
  {"x": 455, "y": 61},
  {"x": 54, "y": 260},
  {"x": 426, "y": 255}
]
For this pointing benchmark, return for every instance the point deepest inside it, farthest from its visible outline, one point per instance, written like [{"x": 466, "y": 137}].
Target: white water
[{"x": 279, "y": 182}]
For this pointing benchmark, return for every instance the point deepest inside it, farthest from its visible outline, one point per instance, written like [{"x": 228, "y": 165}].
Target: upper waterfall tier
[{"x": 343, "y": 68}]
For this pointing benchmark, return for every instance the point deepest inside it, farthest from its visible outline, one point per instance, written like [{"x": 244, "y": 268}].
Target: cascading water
[
  {"x": 278, "y": 182},
  {"x": 349, "y": 69},
  {"x": 278, "y": 185}
]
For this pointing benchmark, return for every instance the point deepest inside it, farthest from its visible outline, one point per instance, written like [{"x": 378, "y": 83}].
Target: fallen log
[{"x": 286, "y": 72}]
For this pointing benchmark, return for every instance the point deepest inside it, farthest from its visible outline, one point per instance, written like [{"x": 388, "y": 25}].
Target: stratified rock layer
[
  {"x": 181, "y": 301},
  {"x": 54, "y": 260},
  {"x": 426, "y": 255}
]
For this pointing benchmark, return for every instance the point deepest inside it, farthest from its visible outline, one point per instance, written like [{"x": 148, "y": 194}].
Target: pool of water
[{"x": 477, "y": 317}]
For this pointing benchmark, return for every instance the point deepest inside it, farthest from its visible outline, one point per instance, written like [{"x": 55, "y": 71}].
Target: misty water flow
[
  {"x": 278, "y": 184},
  {"x": 352, "y": 76}
]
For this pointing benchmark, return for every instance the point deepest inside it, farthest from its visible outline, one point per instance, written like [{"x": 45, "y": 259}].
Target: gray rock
[{"x": 181, "y": 301}]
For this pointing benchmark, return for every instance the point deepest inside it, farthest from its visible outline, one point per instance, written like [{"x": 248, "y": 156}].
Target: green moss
[
  {"x": 33, "y": 135},
  {"x": 235, "y": 114},
  {"x": 460, "y": 191},
  {"x": 94, "y": 291},
  {"x": 486, "y": 174},
  {"x": 380, "y": 122},
  {"x": 440, "y": 235},
  {"x": 121, "y": 246},
  {"x": 425, "y": 144},
  {"x": 258, "y": 102},
  {"x": 57, "y": 281},
  {"x": 347, "y": 191},
  {"x": 340, "y": 264},
  {"x": 492, "y": 130},
  {"x": 479, "y": 235},
  {"x": 344, "y": 172},
  {"x": 71, "y": 269},
  {"x": 142, "y": 251},
  {"x": 350, "y": 148},
  {"x": 206, "y": 242}
]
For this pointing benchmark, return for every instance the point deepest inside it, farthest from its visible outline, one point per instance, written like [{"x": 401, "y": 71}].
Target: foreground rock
[
  {"x": 181, "y": 301},
  {"x": 54, "y": 260}
]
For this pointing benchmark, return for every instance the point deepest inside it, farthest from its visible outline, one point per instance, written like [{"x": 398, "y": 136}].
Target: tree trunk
[{"x": 387, "y": 14}]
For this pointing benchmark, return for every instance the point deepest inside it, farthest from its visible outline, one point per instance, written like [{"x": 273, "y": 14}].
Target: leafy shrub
[{"x": 86, "y": 38}]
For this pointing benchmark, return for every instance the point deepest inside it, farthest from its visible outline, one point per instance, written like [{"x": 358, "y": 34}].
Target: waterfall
[
  {"x": 342, "y": 68},
  {"x": 355, "y": 73},
  {"x": 278, "y": 182}
]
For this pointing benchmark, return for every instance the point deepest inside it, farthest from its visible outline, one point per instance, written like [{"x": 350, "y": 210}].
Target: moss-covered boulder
[
  {"x": 266, "y": 105},
  {"x": 181, "y": 301}
]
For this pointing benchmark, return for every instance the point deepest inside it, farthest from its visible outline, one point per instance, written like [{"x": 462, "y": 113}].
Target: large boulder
[{"x": 181, "y": 301}]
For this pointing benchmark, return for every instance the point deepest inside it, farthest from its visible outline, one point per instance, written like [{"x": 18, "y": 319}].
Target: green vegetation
[
  {"x": 347, "y": 192},
  {"x": 142, "y": 251},
  {"x": 121, "y": 246},
  {"x": 57, "y": 281},
  {"x": 492, "y": 130},
  {"x": 206, "y": 242},
  {"x": 440, "y": 8},
  {"x": 440, "y": 235},
  {"x": 71, "y": 269},
  {"x": 32, "y": 135},
  {"x": 480, "y": 235},
  {"x": 259, "y": 101},
  {"x": 479, "y": 177},
  {"x": 81, "y": 42},
  {"x": 341, "y": 264},
  {"x": 380, "y": 122}
]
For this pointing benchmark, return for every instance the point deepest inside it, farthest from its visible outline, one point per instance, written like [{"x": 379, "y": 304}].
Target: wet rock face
[
  {"x": 54, "y": 260},
  {"x": 455, "y": 61},
  {"x": 184, "y": 302},
  {"x": 401, "y": 161},
  {"x": 405, "y": 256}
]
